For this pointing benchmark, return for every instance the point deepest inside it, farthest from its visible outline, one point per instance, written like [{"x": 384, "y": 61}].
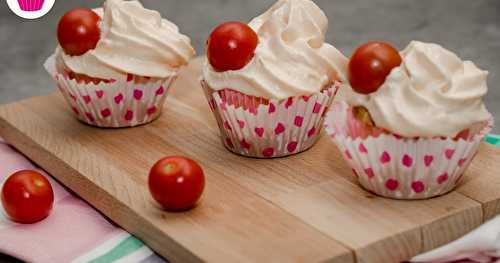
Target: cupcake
[
  {"x": 114, "y": 65},
  {"x": 30, "y": 5},
  {"x": 412, "y": 121},
  {"x": 270, "y": 82}
]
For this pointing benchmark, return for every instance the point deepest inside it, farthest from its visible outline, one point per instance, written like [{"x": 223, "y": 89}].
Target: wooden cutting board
[{"x": 303, "y": 208}]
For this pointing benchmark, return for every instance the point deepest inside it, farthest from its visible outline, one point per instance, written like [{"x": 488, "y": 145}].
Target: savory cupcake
[
  {"x": 114, "y": 65},
  {"x": 412, "y": 121},
  {"x": 270, "y": 82}
]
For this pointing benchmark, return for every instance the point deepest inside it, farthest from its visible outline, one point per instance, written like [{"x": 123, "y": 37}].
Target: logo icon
[
  {"x": 30, "y": 9},
  {"x": 30, "y": 5}
]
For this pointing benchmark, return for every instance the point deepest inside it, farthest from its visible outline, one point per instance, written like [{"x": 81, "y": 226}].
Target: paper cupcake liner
[
  {"x": 403, "y": 168},
  {"x": 30, "y": 5},
  {"x": 358, "y": 129},
  {"x": 261, "y": 128},
  {"x": 115, "y": 103}
]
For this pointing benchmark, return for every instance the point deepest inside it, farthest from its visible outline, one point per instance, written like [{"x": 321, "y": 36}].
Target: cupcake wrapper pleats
[
  {"x": 115, "y": 104},
  {"x": 261, "y": 128},
  {"x": 30, "y": 5},
  {"x": 403, "y": 168}
]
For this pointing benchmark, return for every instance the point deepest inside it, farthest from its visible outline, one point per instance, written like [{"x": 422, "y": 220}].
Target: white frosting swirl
[
  {"x": 291, "y": 58},
  {"x": 432, "y": 93},
  {"x": 133, "y": 40}
]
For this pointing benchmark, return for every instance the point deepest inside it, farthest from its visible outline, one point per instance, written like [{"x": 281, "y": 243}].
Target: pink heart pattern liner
[
  {"x": 115, "y": 104},
  {"x": 395, "y": 167},
  {"x": 274, "y": 129}
]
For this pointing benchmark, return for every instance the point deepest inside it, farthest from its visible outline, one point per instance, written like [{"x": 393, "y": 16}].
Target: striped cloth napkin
[{"x": 75, "y": 232}]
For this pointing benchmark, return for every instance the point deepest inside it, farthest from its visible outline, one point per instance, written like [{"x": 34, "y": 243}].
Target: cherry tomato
[
  {"x": 27, "y": 197},
  {"x": 176, "y": 183},
  {"x": 231, "y": 46},
  {"x": 370, "y": 64},
  {"x": 78, "y": 31}
]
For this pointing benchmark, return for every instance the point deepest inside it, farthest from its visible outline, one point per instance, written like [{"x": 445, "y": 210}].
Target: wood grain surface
[{"x": 303, "y": 208}]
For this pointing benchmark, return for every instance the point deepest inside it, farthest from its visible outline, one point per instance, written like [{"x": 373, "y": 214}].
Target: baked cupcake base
[
  {"x": 113, "y": 103},
  {"x": 262, "y": 128},
  {"x": 403, "y": 168}
]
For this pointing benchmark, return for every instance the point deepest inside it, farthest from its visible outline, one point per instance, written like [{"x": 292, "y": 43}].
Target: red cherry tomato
[
  {"x": 27, "y": 197},
  {"x": 231, "y": 46},
  {"x": 370, "y": 64},
  {"x": 176, "y": 183},
  {"x": 78, "y": 31}
]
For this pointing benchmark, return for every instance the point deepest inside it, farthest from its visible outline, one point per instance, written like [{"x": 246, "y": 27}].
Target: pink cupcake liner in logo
[
  {"x": 31, "y": 5},
  {"x": 261, "y": 128},
  {"x": 402, "y": 168}
]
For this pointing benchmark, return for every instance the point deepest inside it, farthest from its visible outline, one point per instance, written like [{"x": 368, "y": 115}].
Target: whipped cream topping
[
  {"x": 291, "y": 58},
  {"x": 133, "y": 40},
  {"x": 432, "y": 93}
]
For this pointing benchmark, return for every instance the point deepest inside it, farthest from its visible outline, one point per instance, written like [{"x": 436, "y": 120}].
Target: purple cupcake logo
[
  {"x": 30, "y": 5},
  {"x": 30, "y": 9}
]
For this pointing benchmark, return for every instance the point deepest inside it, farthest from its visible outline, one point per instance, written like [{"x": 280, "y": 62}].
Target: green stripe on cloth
[
  {"x": 127, "y": 246},
  {"x": 493, "y": 139}
]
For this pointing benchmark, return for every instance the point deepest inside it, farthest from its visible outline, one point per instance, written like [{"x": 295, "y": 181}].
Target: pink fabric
[{"x": 72, "y": 228}]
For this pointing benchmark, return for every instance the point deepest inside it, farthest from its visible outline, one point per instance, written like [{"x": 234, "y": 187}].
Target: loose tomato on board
[
  {"x": 370, "y": 64},
  {"x": 231, "y": 46},
  {"x": 27, "y": 197},
  {"x": 176, "y": 183},
  {"x": 78, "y": 31}
]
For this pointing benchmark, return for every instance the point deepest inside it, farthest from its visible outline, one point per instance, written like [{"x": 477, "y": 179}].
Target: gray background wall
[{"x": 469, "y": 28}]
